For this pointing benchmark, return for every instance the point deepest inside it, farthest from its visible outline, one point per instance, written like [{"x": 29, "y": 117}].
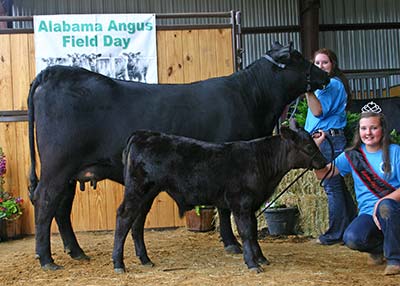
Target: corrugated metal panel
[{"x": 367, "y": 49}]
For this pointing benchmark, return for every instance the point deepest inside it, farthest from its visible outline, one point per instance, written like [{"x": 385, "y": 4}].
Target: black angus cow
[
  {"x": 390, "y": 107},
  {"x": 83, "y": 120},
  {"x": 238, "y": 176}
]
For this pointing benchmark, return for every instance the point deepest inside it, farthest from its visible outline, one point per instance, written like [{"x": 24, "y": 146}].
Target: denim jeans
[
  {"x": 363, "y": 235},
  {"x": 341, "y": 206}
]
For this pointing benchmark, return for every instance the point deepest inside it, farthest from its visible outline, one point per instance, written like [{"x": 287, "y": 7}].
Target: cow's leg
[
  {"x": 63, "y": 219},
  {"x": 46, "y": 200},
  {"x": 138, "y": 234},
  {"x": 231, "y": 244},
  {"x": 246, "y": 231}
]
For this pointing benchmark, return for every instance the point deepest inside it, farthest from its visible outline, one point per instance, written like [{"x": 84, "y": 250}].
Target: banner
[{"x": 121, "y": 46}]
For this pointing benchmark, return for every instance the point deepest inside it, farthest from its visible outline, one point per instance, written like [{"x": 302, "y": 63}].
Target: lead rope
[{"x": 281, "y": 193}]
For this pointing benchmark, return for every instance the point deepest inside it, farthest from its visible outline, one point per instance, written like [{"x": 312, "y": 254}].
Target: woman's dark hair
[
  {"x": 336, "y": 71},
  {"x": 385, "y": 140}
]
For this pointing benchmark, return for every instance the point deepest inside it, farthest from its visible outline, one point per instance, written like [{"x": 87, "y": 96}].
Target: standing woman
[
  {"x": 327, "y": 112},
  {"x": 374, "y": 164}
]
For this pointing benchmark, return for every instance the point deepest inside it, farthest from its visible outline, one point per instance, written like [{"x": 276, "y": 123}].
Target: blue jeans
[
  {"x": 363, "y": 235},
  {"x": 341, "y": 206}
]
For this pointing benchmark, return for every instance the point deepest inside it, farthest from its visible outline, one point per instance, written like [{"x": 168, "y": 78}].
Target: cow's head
[
  {"x": 308, "y": 76},
  {"x": 303, "y": 152}
]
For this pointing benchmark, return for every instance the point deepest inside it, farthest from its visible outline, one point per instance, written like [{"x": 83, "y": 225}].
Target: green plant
[
  {"x": 352, "y": 119},
  {"x": 10, "y": 207},
  {"x": 395, "y": 136},
  {"x": 198, "y": 208}
]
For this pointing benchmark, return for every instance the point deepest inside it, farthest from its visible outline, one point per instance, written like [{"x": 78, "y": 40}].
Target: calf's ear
[{"x": 287, "y": 133}]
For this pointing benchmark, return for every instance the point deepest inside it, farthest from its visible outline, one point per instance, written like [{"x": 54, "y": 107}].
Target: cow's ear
[
  {"x": 282, "y": 55},
  {"x": 276, "y": 46}
]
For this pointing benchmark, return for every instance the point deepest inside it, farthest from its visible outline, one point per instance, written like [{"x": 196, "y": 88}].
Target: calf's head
[
  {"x": 302, "y": 150},
  {"x": 308, "y": 76}
]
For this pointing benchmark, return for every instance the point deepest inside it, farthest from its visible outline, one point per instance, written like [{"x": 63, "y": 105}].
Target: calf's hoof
[
  {"x": 119, "y": 270},
  {"x": 233, "y": 249},
  {"x": 148, "y": 264},
  {"x": 51, "y": 266},
  {"x": 77, "y": 256},
  {"x": 81, "y": 256}
]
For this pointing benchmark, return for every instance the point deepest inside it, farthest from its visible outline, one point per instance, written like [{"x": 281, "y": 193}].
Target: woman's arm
[
  {"x": 314, "y": 104},
  {"x": 319, "y": 137}
]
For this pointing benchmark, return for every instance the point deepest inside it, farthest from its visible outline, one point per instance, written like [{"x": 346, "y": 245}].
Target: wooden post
[{"x": 309, "y": 26}]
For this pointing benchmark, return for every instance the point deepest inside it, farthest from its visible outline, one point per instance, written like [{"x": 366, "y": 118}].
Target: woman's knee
[
  {"x": 352, "y": 240},
  {"x": 386, "y": 208}
]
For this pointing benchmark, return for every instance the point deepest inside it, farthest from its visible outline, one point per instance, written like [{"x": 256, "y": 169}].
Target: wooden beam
[{"x": 309, "y": 26}]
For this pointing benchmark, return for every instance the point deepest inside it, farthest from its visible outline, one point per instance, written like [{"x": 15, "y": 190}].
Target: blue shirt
[
  {"x": 333, "y": 99},
  {"x": 365, "y": 199}
]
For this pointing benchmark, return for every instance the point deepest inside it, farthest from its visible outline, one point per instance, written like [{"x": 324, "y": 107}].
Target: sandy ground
[{"x": 182, "y": 257}]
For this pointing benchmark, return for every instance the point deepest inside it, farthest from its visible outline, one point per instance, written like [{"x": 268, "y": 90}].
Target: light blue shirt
[
  {"x": 333, "y": 99},
  {"x": 365, "y": 198}
]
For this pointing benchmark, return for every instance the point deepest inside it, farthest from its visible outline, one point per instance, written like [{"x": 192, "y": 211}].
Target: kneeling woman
[{"x": 374, "y": 164}]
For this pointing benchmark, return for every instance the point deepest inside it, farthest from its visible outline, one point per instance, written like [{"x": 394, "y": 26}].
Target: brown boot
[
  {"x": 375, "y": 259},
  {"x": 392, "y": 270}
]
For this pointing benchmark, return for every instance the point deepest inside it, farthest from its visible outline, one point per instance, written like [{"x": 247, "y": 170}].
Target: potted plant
[
  {"x": 10, "y": 207},
  {"x": 201, "y": 218},
  {"x": 280, "y": 218}
]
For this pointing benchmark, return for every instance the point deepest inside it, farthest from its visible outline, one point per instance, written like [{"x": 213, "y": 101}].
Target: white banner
[{"x": 121, "y": 46}]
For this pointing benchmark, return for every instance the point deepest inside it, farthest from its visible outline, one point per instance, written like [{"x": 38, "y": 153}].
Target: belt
[{"x": 335, "y": 132}]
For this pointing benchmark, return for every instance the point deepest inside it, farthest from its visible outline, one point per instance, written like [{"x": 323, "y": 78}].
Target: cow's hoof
[
  {"x": 233, "y": 249},
  {"x": 119, "y": 270},
  {"x": 51, "y": 266},
  {"x": 257, "y": 269},
  {"x": 263, "y": 260}
]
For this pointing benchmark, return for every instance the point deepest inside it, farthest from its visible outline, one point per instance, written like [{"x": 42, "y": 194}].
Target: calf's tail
[{"x": 33, "y": 178}]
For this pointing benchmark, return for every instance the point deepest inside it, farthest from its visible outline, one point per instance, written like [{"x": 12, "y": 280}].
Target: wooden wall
[{"x": 183, "y": 56}]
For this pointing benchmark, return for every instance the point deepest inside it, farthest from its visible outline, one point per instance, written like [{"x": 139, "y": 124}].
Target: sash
[{"x": 375, "y": 184}]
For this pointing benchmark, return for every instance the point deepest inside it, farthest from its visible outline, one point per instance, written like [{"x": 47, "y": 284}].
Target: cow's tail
[{"x": 33, "y": 178}]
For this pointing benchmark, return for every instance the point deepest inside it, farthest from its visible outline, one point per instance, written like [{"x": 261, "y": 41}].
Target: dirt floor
[{"x": 182, "y": 257}]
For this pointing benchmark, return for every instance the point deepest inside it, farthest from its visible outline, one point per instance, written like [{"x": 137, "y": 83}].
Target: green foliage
[
  {"x": 352, "y": 119},
  {"x": 301, "y": 113},
  {"x": 395, "y": 136}
]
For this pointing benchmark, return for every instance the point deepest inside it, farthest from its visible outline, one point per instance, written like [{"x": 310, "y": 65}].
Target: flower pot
[
  {"x": 203, "y": 222},
  {"x": 281, "y": 221},
  {"x": 10, "y": 229}
]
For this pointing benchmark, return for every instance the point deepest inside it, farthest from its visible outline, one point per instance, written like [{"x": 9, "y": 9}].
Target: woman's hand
[
  {"x": 376, "y": 221},
  {"x": 318, "y": 137}
]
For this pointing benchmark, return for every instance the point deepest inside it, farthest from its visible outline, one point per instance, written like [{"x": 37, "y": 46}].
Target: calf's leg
[
  {"x": 245, "y": 227},
  {"x": 231, "y": 244},
  {"x": 137, "y": 234},
  {"x": 125, "y": 218}
]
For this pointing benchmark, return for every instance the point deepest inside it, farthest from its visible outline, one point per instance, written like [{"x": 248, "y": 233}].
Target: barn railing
[{"x": 374, "y": 83}]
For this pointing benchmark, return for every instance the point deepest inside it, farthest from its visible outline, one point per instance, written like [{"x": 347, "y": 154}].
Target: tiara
[{"x": 371, "y": 107}]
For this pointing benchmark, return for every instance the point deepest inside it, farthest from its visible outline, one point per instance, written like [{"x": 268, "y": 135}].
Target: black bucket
[{"x": 281, "y": 221}]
